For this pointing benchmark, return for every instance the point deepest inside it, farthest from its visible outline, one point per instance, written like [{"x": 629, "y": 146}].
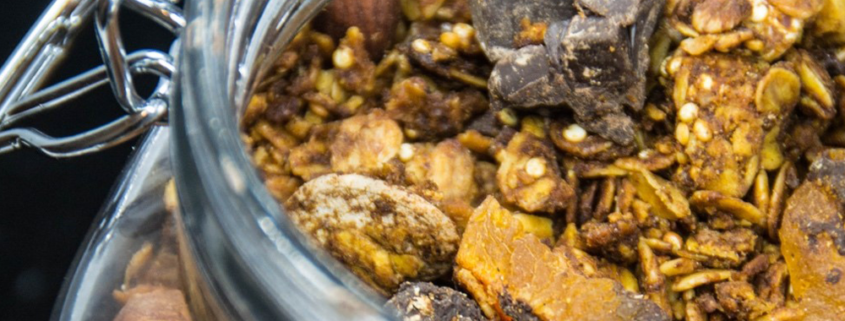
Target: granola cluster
[{"x": 726, "y": 203}]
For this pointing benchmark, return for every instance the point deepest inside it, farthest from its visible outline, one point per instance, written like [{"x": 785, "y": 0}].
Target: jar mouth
[{"x": 257, "y": 264}]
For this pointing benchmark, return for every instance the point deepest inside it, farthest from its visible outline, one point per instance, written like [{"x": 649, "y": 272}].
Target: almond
[{"x": 377, "y": 19}]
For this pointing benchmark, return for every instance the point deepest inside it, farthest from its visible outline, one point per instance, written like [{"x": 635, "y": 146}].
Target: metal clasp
[{"x": 44, "y": 47}]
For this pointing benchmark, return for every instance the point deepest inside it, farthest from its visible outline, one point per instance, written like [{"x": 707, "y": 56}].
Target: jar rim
[{"x": 257, "y": 264}]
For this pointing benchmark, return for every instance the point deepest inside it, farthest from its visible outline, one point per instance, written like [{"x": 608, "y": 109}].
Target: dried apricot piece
[
  {"x": 813, "y": 239},
  {"x": 814, "y": 255},
  {"x": 513, "y": 275}
]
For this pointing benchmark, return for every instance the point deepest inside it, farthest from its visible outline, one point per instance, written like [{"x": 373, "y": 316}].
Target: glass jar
[{"x": 241, "y": 257}]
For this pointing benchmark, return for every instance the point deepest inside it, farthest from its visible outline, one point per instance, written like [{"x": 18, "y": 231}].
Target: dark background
[{"x": 47, "y": 205}]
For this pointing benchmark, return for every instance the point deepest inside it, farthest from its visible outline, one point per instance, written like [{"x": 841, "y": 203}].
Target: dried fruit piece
[
  {"x": 531, "y": 189},
  {"x": 424, "y": 301},
  {"x": 813, "y": 244},
  {"x": 512, "y": 274},
  {"x": 383, "y": 233}
]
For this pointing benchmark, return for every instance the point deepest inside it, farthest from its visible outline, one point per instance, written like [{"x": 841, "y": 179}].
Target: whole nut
[{"x": 377, "y": 20}]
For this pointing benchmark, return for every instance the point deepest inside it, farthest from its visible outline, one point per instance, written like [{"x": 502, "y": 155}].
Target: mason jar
[{"x": 240, "y": 257}]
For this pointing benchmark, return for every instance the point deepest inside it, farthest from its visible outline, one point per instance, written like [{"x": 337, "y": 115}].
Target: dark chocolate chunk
[
  {"x": 647, "y": 15},
  {"x": 516, "y": 309},
  {"x": 622, "y": 12},
  {"x": 595, "y": 53},
  {"x": 833, "y": 276},
  {"x": 486, "y": 123},
  {"x": 595, "y": 65},
  {"x": 552, "y": 39},
  {"x": 424, "y": 301},
  {"x": 446, "y": 68},
  {"x": 499, "y": 21},
  {"x": 635, "y": 308},
  {"x": 617, "y": 127},
  {"x": 524, "y": 78}
]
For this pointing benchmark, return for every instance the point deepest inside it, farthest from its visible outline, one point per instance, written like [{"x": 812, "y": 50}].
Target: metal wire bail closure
[{"x": 118, "y": 70}]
